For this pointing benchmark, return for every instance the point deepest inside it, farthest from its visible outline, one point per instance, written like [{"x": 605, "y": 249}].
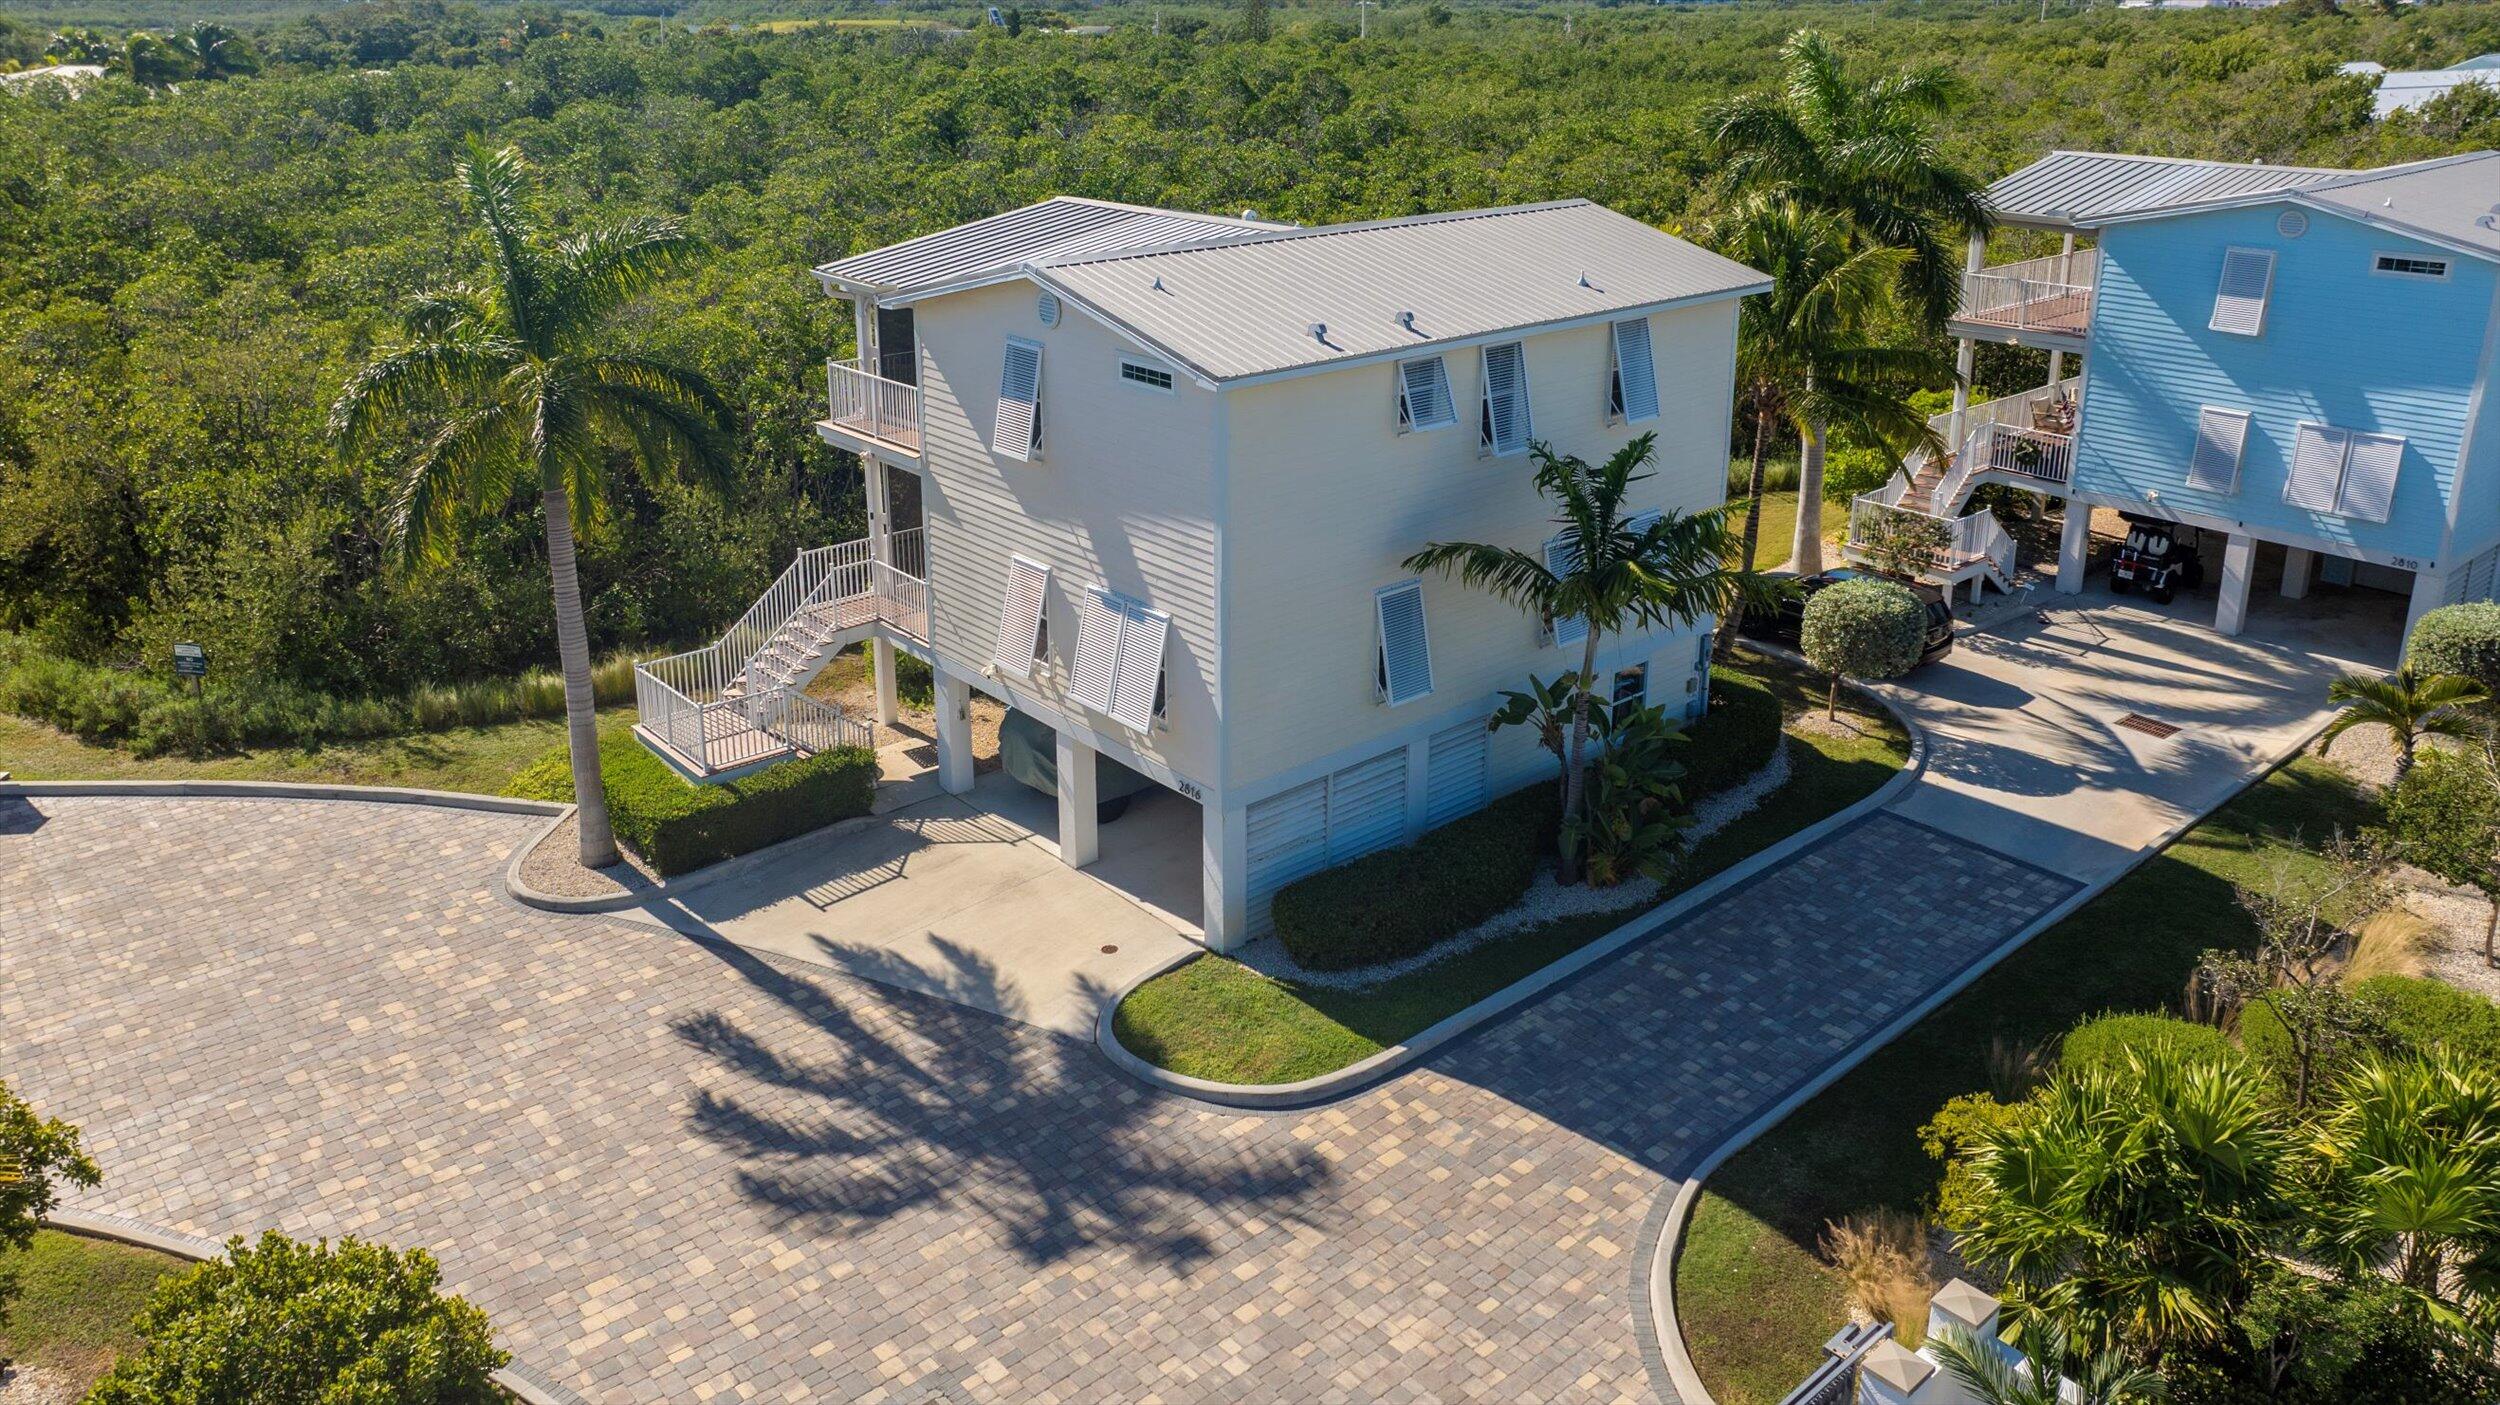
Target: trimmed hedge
[
  {"x": 2426, "y": 1015},
  {"x": 677, "y": 826},
  {"x": 2104, "y": 1042},
  {"x": 1734, "y": 739},
  {"x": 2459, "y": 639},
  {"x": 1400, "y": 901}
]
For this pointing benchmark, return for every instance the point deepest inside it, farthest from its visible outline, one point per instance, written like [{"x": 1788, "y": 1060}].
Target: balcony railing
[
  {"x": 2052, "y": 294},
  {"x": 869, "y": 405},
  {"x": 1927, "y": 544}
]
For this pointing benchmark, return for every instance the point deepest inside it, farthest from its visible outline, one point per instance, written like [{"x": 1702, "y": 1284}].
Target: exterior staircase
[
  {"x": 1915, "y": 523},
  {"x": 741, "y": 702}
]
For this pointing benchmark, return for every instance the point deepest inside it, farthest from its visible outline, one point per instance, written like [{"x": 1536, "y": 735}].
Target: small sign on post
[{"x": 191, "y": 661}]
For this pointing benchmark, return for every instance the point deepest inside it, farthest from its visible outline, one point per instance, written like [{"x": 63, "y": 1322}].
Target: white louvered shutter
[
  {"x": 1020, "y": 619},
  {"x": 1288, "y": 839},
  {"x": 1367, "y": 807},
  {"x": 1424, "y": 387},
  {"x": 1133, "y": 679},
  {"x": 2240, "y": 301},
  {"x": 1636, "y": 371},
  {"x": 1454, "y": 773},
  {"x": 1561, "y": 559},
  {"x": 1098, "y": 620},
  {"x": 1505, "y": 428},
  {"x": 2370, "y": 466},
  {"x": 1405, "y": 652},
  {"x": 1019, "y": 400},
  {"x": 2220, "y": 435},
  {"x": 2317, "y": 467}
]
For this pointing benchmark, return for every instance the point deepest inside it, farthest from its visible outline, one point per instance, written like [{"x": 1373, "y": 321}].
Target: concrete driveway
[
  {"x": 964, "y": 897},
  {"x": 2028, "y": 755}
]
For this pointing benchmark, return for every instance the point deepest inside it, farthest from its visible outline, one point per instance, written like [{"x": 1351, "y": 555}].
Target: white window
[
  {"x": 1568, "y": 631},
  {"x": 2410, "y": 266},
  {"x": 1504, "y": 429},
  {"x": 1145, "y": 373},
  {"x": 2344, "y": 471},
  {"x": 1632, "y": 394},
  {"x": 1019, "y": 431},
  {"x": 1424, "y": 395},
  {"x": 1119, "y": 658},
  {"x": 1631, "y": 692},
  {"x": 2220, "y": 436},
  {"x": 1023, "y": 630},
  {"x": 1405, "y": 654},
  {"x": 2240, "y": 299}
]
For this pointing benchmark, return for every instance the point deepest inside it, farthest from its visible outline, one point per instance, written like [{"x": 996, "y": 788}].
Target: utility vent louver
[
  {"x": 2291, "y": 224},
  {"x": 2151, "y": 727}
]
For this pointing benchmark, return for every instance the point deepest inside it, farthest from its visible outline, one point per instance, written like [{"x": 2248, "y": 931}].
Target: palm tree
[
  {"x": 1865, "y": 152},
  {"x": 152, "y": 62},
  {"x": 2408, "y": 705},
  {"x": 516, "y": 390},
  {"x": 1805, "y": 351},
  {"x": 1994, "y": 1375},
  {"x": 2408, "y": 1180},
  {"x": 216, "y": 51},
  {"x": 2129, "y": 1206},
  {"x": 1674, "y": 569}
]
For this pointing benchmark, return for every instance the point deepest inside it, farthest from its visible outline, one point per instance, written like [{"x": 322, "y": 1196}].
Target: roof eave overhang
[{"x": 2306, "y": 200}]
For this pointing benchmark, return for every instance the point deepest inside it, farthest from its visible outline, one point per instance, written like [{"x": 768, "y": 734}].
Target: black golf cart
[{"x": 2157, "y": 557}]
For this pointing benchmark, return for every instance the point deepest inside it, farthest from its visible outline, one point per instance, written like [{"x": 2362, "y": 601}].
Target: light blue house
[{"x": 2290, "y": 360}]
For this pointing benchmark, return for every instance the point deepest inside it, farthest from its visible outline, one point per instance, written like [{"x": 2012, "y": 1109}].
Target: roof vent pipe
[
  {"x": 1248, "y": 213},
  {"x": 1584, "y": 279},
  {"x": 1407, "y": 320},
  {"x": 1319, "y": 331}
]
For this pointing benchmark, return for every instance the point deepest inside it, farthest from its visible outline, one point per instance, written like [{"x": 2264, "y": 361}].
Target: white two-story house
[{"x": 1168, "y": 466}]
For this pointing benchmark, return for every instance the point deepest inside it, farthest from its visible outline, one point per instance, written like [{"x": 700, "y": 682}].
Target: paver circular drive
[{"x": 676, "y": 1172}]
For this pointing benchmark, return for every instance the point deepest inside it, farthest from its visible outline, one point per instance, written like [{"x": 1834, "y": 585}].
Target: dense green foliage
[
  {"x": 2427, "y": 1016},
  {"x": 1734, "y": 739},
  {"x": 1398, "y": 902},
  {"x": 2459, "y": 639},
  {"x": 1863, "y": 629},
  {"x": 2105, "y": 1043},
  {"x": 289, "y": 1323},
  {"x": 191, "y": 274},
  {"x": 43, "y": 1155},
  {"x": 677, "y": 826}
]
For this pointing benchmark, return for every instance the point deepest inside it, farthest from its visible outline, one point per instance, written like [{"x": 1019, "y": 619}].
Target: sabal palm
[
  {"x": 517, "y": 390},
  {"x": 1864, "y": 151},
  {"x": 216, "y": 51},
  {"x": 2131, "y": 1205},
  {"x": 2408, "y": 1176},
  {"x": 2409, "y": 705},
  {"x": 1995, "y": 1376},
  {"x": 1673, "y": 570},
  {"x": 1807, "y": 351}
]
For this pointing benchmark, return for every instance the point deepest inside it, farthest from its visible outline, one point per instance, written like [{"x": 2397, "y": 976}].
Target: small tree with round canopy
[{"x": 1862, "y": 629}]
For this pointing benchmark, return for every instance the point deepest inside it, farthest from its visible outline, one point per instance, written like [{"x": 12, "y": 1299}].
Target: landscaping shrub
[
  {"x": 1398, "y": 902},
  {"x": 1862, "y": 629},
  {"x": 2426, "y": 1015},
  {"x": 2105, "y": 1042},
  {"x": 1851, "y": 471},
  {"x": 287, "y": 1323},
  {"x": 677, "y": 826},
  {"x": 2459, "y": 639},
  {"x": 913, "y": 682},
  {"x": 1778, "y": 476},
  {"x": 1734, "y": 739}
]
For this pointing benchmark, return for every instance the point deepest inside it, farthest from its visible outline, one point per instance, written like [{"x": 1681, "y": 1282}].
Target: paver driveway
[{"x": 677, "y": 1172}]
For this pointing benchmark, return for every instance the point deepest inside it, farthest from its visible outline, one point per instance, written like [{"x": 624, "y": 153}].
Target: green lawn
[
  {"x": 481, "y": 760},
  {"x": 1754, "y": 1300},
  {"x": 76, "y": 1301},
  {"x": 1215, "y": 1018}
]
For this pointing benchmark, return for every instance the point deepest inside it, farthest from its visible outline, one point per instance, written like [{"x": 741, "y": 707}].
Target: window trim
[
  {"x": 1618, "y": 403},
  {"x": 2264, "y": 299},
  {"x": 1488, "y": 445},
  {"x": 1128, "y": 617},
  {"x": 1149, "y": 367},
  {"x": 1386, "y": 683},
  {"x": 1408, "y": 423},
  {"x": 2239, "y": 450},
  {"x": 2380, "y": 257},
  {"x": 1009, "y": 650},
  {"x": 1615, "y": 699},
  {"x": 1031, "y": 451},
  {"x": 2343, "y": 469}
]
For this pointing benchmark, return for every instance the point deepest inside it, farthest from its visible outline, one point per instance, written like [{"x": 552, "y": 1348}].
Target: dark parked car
[
  {"x": 1781, "y": 626},
  {"x": 2159, "y": 557}
]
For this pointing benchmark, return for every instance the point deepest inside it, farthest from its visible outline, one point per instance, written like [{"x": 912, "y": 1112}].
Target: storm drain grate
[{"x": 2149, "y": 726}]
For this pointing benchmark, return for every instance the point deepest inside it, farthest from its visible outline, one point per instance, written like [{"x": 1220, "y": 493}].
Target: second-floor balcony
[
  {"x": 2038, "y": 302},
  {"x": 869, "y": 413}
]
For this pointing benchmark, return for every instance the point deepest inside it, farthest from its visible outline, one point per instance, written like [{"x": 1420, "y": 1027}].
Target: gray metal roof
[
  {"x": 1062, "y": 226},
  {"x": 1246, "y": 307},
  {"x": 2077, "y": 189},
  {"x": 2454, "y": 200}
]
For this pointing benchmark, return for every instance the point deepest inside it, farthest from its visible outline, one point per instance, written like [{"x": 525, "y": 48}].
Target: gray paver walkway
[{"x": 672, "y": 1171}]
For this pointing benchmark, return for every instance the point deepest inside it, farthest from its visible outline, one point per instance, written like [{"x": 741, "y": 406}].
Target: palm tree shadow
[{"x": 849, "y": 1111}]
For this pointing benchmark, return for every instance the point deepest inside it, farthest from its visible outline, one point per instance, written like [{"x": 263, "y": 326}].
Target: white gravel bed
[{"x": 1545, "y": 900}]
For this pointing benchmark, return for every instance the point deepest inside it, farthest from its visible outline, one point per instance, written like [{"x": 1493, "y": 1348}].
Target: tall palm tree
[
  {"x": 1807, "y": 351},
  {"x": 1864, "y": 151},
  {"x": 216, "y": 51},
  {"x": 1994, "y": 1375},
  {"x": 1675, "y": 569},
  {"x": 516, "y": 389},
  {"x": 2408, "y": 705},
  {"x": 152, "y": 62}
]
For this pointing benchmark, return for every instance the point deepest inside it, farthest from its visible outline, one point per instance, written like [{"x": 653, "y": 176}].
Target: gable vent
[
  {"x": 2292, "y": 224},
  {"x": 1047, "y": 308}
]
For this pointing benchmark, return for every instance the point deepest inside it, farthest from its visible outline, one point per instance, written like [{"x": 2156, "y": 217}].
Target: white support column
[
  {"x": 1225, "y": 850},
  {"x": 889, "y": 695},
  {"x": 954, "y": 735},
  {"x": 2429, "y": 593},
  {"x": 2239, "y": 562},
  {"x": 1080, "y": 837},
  {"x": 2299, "y": 563},
  {"x": 2074, "y": 547}
]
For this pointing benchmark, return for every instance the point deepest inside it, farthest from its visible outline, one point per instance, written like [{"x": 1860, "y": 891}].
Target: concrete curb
[
  {"x": 524, "y": 1384},
  {"x": 1355, "y": 1077},
  {"x": 1681, "y": 1373},
  {"x": 289, "y": 790},
  {"x": 665, "y": 889}
]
